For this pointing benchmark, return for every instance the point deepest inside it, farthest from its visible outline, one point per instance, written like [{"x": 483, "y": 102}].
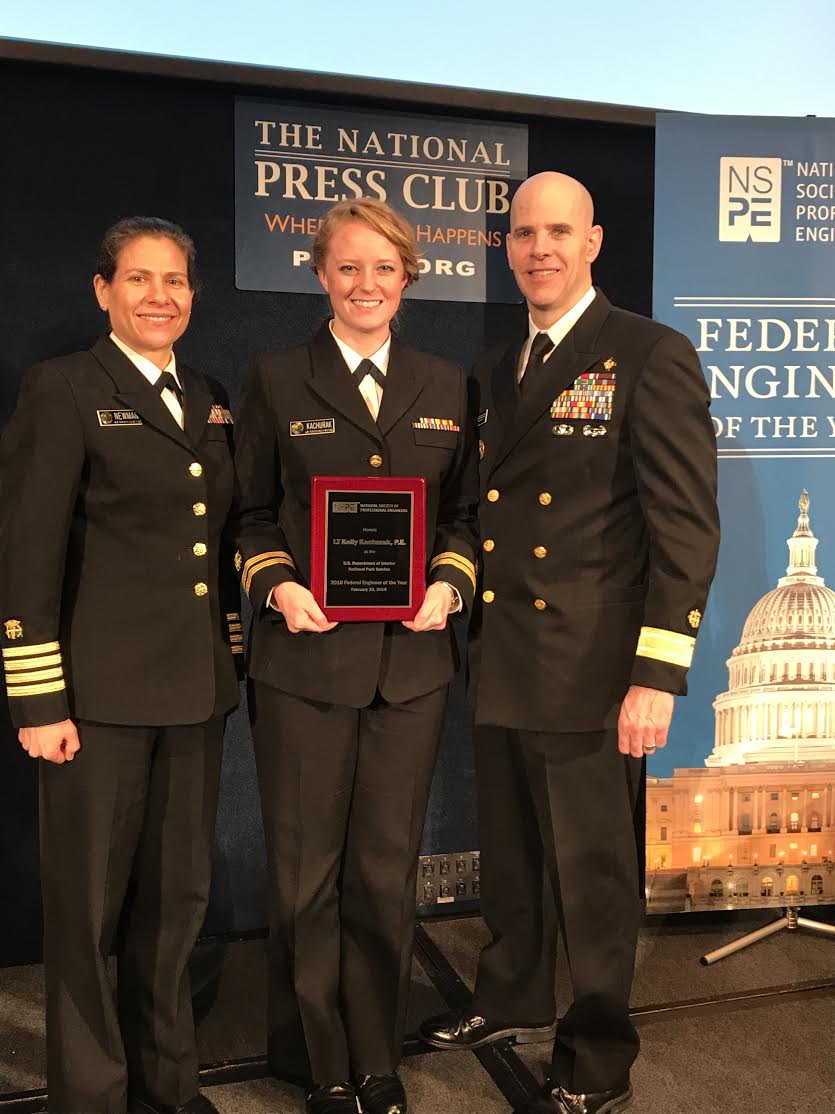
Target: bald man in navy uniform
[{"x": 600, "y": 535}]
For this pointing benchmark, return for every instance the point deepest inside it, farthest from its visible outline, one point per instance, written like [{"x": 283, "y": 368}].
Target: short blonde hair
[{"x": 379, "y": 216}]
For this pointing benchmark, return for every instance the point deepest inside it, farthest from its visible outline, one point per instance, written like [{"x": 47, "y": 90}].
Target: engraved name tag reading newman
[{"x": 118, "y": 417}]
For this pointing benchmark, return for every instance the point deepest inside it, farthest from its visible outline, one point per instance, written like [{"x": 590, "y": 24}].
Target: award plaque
[{"x": 368, "y": 547}]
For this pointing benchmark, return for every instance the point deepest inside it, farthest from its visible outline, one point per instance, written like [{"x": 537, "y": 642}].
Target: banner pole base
[{"x": 789, "y": 920}]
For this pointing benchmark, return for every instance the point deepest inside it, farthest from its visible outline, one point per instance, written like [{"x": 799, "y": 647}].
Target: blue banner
[
  {"x": 741, "y": 805},
  {"x": 451, "y": 179}
]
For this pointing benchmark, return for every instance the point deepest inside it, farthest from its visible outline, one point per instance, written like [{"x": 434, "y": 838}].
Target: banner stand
[{"x": 790, "y": 920}]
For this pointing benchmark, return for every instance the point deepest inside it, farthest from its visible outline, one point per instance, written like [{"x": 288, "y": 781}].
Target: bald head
[
  {"x": 558, "y": 191},
  {"x": 552, "y": 244}
]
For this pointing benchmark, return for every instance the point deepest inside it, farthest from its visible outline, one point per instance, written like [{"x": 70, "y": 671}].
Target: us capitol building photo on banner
[{"x": 756, "y": 826}]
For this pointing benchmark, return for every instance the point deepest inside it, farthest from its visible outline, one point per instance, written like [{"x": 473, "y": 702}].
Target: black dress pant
[
  {"x": 560, "y": 807},
  {"x": 126, "y": 839},
  {"x": 344, "y": 794}
]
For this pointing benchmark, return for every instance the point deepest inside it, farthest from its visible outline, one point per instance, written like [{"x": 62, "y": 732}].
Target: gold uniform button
[
  {"x": 199, "y": 549},
  {"x": 489, "y": 545},
  {"x": 540, "y": 551},
  {"x": 492, "y": 495},
  {"x": 196, "y": 469},
  {"x": 540, "y": 605},
  {"x": 375, "y": 460},
  {"x": 545, "y": 498},
  {"x": 200, "y": 589},
  {"x": 488, "y": 596},
  {"x": 199, "y": 509}
]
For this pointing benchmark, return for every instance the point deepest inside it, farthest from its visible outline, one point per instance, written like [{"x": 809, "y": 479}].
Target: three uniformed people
[
  {"x": 120, "y": 630},
  {"x": 121, "y": 625},
  {"x": 346, "y": 717}
]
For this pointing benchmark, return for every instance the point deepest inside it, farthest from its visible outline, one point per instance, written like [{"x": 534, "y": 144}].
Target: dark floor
[{"x": 764, "y": 1045}]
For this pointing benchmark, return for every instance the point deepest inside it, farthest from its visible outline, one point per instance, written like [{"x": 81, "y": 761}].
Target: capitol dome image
[
  {"x": 780, "y": 703},
  {"x": 755, "y": 826}
]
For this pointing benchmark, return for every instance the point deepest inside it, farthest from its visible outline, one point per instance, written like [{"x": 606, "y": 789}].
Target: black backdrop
[{"x": 83, "y": 147}]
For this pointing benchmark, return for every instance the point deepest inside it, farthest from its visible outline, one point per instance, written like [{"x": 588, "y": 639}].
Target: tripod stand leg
[
  {"x": 744, "y": 941},
  {"x": 816, "y": 926}
]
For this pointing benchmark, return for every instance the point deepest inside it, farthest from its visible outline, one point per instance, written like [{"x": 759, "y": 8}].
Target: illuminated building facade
[{"x": 756, "y": 826}]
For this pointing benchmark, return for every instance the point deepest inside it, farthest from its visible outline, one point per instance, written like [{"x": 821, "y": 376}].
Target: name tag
[
  {"x": 118, "y": 417},
  {"x": 312, "y": 427}
]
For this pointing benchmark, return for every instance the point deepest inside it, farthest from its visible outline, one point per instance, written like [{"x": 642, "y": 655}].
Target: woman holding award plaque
[{"x": 346, "y": 715}]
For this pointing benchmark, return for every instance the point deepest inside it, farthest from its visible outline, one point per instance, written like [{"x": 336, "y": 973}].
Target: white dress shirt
[
  {"x": 152, "y": 373},
  {"x": 369, "y": 388},
  {"x": 558, "y": 331}
]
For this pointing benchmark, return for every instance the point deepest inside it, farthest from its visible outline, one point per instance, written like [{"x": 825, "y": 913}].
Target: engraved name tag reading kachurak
[{"x": 312, "y": 426}]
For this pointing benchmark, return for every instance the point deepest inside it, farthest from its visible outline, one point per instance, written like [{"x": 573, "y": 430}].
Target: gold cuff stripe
[
  {"x": 233, "y": 615},
  {"x": 38, "y": 675},
  {"x": 30, "y": 651},
  {"x": 237, "y": 649},
  {"x": 37, "y": 690},
  {"x": 264, "y": 561},
  {"x": 666, "y": 645},
  {"x": 457, "y": 561},
  {"x": 33, "y": 663},
  {"x": 233, "y": 638},
  {"x": 235, "y": 626}
]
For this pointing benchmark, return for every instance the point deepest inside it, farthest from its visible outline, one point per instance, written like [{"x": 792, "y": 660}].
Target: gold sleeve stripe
[
  {"x": 33, "y": 663},
  {"x": 235, "y": 626},
  {"x": 37, "y": 690},
  {"x": 233, "y": 614},
  {"x": 237, "y": 649},
  {"x": 30, "y": 651},
  {"x": 259, "y": 557},
  {"x": 457, "y": 561},
  {"x": 233, "y": 638},
  {"x": 38, "y": 675},
  {"x": 666, "y": 645},
  {"x": 264, "y": 561}
]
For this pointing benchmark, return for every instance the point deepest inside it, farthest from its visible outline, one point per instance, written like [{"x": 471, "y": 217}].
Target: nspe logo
[{"x": 749, "y": 199}]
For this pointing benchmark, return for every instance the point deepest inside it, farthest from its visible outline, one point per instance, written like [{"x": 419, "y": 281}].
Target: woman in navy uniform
[
  {"x": 346, "y": 717},
  {"x": 120, "y": 625}
]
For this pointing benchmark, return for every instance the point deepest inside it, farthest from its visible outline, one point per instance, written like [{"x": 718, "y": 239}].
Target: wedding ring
[{"x": 649, "y": 747}]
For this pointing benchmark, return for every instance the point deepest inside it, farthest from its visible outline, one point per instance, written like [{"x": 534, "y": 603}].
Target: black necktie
[
  {"x": 542, "y": 345},
  {"x": 369, "y": 368},
  {"x": 167, "y": 381}
]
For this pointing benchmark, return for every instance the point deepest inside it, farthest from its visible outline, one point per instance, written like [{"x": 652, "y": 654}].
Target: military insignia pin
[
  {"x": 563, "y": 430},
  {"x": 594, "y": 430},
  {"x": 694, "y": 618},
  {"x": 609, "y": 363},
  {"x": 14, "y": 628},
  {"x": 238, "y": 561}
]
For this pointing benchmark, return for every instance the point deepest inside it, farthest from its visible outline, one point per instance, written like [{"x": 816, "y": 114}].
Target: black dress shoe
[
  {"x": 546, "y": 1103},
  {"x": 198, "y": 1105},
  {"x": 465, "y": 1029},
  {"x": 560, "y": 1101},
  {"x": 332, "y": 1098},
  {"x": 381, "y": 1094}
]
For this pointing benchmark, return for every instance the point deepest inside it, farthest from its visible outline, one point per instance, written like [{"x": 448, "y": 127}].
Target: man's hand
[
  {"x": 300, "y": 610},
  {"x": 433, "y": 611},
  {"x": 54, "y": 742},
  {"x": 644, "y": 720}
]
